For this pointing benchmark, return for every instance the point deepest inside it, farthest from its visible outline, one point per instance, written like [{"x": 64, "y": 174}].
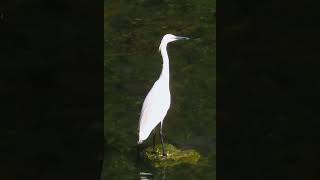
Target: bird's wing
[
  {"x": 147, "y": 101},
  {"x": 153, "y": 110}
]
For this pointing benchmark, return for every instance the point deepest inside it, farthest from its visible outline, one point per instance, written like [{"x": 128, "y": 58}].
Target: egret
[{"x": 157, "y": 102}]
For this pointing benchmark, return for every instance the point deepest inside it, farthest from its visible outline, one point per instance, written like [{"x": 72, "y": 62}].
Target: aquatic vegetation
[{"x": 174, "y": 157}]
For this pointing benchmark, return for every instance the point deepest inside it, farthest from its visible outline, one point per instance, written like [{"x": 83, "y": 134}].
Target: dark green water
[{"x": 133, "y": 31}]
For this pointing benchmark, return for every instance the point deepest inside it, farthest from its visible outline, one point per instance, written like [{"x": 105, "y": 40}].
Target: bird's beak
[{"x": 181, "y": 38}]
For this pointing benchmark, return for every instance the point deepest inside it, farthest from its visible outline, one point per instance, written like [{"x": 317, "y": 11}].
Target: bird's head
[{"x": 170, "y": 38}]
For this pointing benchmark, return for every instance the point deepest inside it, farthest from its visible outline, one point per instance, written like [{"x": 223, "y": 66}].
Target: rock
[{"x": 174, "y": 156}]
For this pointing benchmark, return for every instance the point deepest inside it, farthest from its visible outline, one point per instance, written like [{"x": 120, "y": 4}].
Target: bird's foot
[{"x": 164, "y": 155}]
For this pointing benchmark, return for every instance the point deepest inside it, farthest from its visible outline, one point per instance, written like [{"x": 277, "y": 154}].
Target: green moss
[{"x": 174, "y": 156}]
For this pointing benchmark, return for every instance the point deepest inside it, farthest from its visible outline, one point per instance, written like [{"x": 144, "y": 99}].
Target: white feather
[{"x": 157, "y": 102}]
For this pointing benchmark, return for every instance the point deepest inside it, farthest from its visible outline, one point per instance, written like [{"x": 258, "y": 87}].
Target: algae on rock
[{"x": 174, "y": 156}]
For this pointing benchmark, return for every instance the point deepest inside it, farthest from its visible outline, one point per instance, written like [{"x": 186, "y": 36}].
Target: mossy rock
[{"x": 174, "y": 156}]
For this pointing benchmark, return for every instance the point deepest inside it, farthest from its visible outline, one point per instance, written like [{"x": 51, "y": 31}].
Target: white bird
[{"x": 157, "y": 102}]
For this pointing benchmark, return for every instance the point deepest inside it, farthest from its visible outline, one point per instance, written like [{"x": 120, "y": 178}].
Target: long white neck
[{"x": 165, "y": 64}]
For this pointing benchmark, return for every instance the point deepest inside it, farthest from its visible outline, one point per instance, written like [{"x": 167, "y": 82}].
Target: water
[{"x": 133, "y": 31}]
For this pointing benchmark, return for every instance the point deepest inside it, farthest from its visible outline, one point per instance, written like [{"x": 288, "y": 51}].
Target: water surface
[{"x": 133, "y": 31}]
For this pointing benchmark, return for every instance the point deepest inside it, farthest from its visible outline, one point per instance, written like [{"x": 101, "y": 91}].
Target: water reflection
[
  {"x": 164, "y": 173},
  {"x": 150, "y": 176},
  {"x": 145, "y": 176}
]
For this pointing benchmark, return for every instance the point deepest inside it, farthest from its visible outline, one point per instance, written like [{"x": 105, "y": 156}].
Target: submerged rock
[{"x": 174, "y": 156}]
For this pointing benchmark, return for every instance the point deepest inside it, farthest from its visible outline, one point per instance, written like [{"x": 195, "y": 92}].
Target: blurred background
[{"x": 133, "y": 30}]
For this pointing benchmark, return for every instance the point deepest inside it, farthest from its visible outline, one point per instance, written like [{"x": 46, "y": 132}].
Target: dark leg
[
  {"x": 161, "y": 136},
  {"x": 154, "y": 140}
]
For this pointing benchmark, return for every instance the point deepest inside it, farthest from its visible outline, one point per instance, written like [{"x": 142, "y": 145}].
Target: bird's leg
[
  {"x": 161, "y": 136},
  {"x": 154, "y": 140}
]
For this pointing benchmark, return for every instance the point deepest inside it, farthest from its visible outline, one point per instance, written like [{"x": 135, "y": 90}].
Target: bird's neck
[{"x": 165, "y": 64}]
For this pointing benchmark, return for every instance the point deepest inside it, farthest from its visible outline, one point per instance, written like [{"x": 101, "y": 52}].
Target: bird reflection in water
[
  {"x": 146, "y": 176},
  {"x": 150, "y": 176}
]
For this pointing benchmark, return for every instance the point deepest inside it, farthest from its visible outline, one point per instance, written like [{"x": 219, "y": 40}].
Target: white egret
[{"x": 157, "y": 102}]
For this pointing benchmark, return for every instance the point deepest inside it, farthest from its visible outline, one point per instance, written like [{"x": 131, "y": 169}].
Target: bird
[{"x": 157, "y": 101}]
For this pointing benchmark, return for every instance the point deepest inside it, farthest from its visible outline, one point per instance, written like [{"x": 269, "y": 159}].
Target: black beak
[{"x": 182, "y": 38}]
